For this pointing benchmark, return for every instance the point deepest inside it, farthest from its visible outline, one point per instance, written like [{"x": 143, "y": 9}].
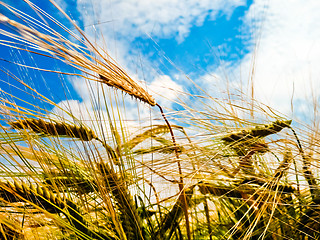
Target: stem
[
  {"x": 181, "y": 185},
  {"x": 306, "y": 171},
  {"x": 206, "y": 209}
]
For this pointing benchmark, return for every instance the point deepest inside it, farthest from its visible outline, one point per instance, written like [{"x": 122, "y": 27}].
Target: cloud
[
  {"x": 166, "y": 89},
  {"x": 287, "y": 57},
  {"x": 158, "y": 18}
]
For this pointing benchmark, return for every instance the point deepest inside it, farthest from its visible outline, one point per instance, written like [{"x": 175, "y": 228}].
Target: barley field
[{"x": 213, "y": 167}]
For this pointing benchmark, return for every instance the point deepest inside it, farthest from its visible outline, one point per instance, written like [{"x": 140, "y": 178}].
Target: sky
[{"x": 272, "y": 45}]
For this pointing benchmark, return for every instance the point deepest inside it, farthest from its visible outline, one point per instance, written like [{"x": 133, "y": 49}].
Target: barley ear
[
  {"x": 150, "y": 133},
  {"x": 54, "y": 128},
  {"x": 257, "y": 132},
  {"x": 117, "y": 78},
  {"x": 44, "y": 198}
]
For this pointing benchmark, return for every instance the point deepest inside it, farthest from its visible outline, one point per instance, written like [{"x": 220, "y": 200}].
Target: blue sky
[{"x": 160, "y": 42}]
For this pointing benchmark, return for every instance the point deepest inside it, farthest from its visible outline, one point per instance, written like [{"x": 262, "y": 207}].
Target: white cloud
[
  {"x": 158, "y": 18},
  {"x": 165, "y": 89},
  {"x": 288, "y": 51}
]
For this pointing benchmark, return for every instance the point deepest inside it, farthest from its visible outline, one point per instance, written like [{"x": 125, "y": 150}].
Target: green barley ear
[
  {"x": 257, "y": 132},
  {"x": 54, "y": 128},
  {"x": 44, "y": 198}
]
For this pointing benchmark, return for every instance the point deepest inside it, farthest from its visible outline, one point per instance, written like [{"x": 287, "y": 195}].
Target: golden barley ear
[
  {"x": 120, "y": 80},
  {"x": 166, "y": 147},
  {"x": 54, "y": 128},
  {"x": 149, "y": 133},
  {"x": 63, "y": 49}
]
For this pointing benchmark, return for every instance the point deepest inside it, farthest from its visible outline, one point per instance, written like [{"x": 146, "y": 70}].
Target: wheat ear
[{"x": 54, "y": 128}]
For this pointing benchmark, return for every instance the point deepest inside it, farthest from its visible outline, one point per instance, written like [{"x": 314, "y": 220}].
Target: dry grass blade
[{"x": 54, "y": 128}]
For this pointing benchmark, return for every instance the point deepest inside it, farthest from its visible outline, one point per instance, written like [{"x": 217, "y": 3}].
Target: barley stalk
[
  {"x": 172, "y": 219},
  {"x": 131, "y": 221},
  {"x": 308, "y": 175}
]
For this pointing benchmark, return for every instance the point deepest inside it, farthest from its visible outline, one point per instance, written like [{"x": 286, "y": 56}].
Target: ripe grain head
[{"x": 54, "y": 128}]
